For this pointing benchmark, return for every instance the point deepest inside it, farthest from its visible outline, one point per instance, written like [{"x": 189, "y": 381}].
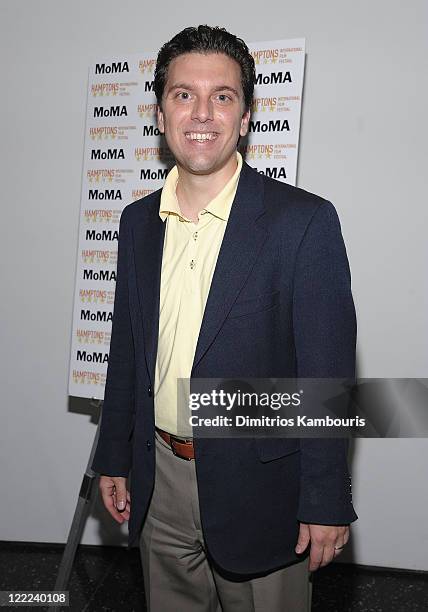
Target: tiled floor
[{"x": 109, "y": 579}]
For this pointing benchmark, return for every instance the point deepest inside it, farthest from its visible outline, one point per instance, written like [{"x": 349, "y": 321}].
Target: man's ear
[
  {"x": 245, "y": 122},
  {"x": 161, "y": 124}
]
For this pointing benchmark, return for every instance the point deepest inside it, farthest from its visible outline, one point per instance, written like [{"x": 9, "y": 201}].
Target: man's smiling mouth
[{"x": 201, "y": 136}]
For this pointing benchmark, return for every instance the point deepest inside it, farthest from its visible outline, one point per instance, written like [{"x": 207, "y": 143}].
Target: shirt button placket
[{"x": 193, "y": 259}]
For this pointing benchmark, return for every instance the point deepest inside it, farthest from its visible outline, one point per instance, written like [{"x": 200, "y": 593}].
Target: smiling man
[
  {"x": 223, "y": 273},
  {"x": 203, "y": 113}
]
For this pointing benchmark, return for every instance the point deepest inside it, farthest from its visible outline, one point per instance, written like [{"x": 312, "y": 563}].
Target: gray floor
[{"x": 109, "y": 579}]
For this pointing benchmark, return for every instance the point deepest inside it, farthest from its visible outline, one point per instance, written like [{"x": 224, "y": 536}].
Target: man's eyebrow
[
  {"x": 190, "y": 88},
  {"x": 227, "y": 88}
]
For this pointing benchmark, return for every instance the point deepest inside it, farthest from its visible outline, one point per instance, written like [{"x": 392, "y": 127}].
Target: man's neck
[{"x": 195, "y": 191}]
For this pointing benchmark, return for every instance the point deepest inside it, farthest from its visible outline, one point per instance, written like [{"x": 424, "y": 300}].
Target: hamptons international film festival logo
[
  {"x": 147, "y": 65},
  {"x": 137, "y": 194},
  {"x": 111, "y": 132},
  {"x": 99, "y": 257},
  {"x": 275, "y": 55},
  {"x": 109, "y": 216},
  {"x": 105, "y": 90},
  {"x": 109, "y": 175},
  {"x": 268, "y": 152},
  {"x": 88, "y": 377},
  {"x": 91, "y": 336},
  {"x": 273, "y": 104},
  {"x": 153, "y": 153},
  {"x": 147, "y": 110},
  {"x": 148, "y": 153},
  {"x": 96, "y": 296}
]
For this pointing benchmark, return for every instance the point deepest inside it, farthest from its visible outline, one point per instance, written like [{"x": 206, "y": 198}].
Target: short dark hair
[{"x": 206, "y": 39}]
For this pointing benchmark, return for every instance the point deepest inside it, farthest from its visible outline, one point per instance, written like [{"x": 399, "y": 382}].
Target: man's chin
[
  {"x": 199, "y": 168},
  {"x": 202, "y": 167}
]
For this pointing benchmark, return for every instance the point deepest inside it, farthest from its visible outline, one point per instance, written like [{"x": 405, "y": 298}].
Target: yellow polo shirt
[{"x": 189, "y": 258}]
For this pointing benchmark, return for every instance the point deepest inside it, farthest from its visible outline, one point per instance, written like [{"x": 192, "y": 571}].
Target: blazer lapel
[
  {"x": 148, "y": 238},
  {"x": 242, "y": 241},
  {"x": 244, "y": 236}
]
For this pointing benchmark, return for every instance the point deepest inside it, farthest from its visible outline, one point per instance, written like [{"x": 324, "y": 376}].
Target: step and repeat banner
[{"x": 125, "y": 159}]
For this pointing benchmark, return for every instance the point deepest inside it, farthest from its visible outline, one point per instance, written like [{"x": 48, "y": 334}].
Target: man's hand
[
  {"x": 324, "y": 539},
  {"x": 116, "y": 498}
]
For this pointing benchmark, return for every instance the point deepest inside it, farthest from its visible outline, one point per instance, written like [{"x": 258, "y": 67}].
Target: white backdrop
[
  {"x": 363, "y": 145},
  {"x": 121, "y": 123}
]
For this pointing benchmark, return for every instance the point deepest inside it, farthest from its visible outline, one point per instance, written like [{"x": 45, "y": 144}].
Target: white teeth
[{"x": 201, "y": 136}]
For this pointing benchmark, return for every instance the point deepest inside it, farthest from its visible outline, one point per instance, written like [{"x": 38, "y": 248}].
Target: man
[{"x": 223, "y": 273}]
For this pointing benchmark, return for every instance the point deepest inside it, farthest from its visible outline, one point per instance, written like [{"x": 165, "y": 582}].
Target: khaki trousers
[{"x": 177, "y": 575}]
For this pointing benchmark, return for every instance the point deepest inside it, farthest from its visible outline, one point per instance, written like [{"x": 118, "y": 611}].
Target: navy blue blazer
[{"x": 280, "y": 305}]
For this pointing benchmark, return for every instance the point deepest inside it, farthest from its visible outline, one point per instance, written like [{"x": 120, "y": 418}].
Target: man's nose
[{"x": 202, "y": 109}]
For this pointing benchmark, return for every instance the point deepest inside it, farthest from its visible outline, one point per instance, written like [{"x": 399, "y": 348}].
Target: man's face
[{"x": 203, "y": 111}]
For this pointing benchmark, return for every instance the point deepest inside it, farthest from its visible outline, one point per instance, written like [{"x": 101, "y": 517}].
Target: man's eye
[
  {"x": 183, "y": 95},
  {"x": 223, "y": 97}
]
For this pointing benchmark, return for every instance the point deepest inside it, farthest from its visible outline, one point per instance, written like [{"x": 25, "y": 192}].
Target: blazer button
[
  {"x": 149, "y": 445},
  {"x": 149, "y": 391}
]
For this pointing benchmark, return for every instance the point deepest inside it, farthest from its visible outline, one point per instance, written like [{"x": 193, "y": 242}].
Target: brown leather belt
[{"x": 181, "y": 448}]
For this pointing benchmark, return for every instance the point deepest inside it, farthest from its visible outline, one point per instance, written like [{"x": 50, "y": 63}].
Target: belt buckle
[{"x": 174, "y": 452}]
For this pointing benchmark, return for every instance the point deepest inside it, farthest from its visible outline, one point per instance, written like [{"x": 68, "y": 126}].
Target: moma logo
[
  {"x": 275, "y": 173},
  {"x": 111, "y": 68},
  {"x": 92, "y": 357},
  {"x": 100, "y": 316},
  {"x": 102, "y": 235},
  {"x": 150, "y": 130},
  {"x": 270, "y": 126},
  {"x": 149, "y": 86},
  {"x": 273, "y": 78},
  {"x": 113, "y": 111},
  {"x": 99, "y": 275},
  {"x": 153, "y": 175},
  {"x": 106, "y": 194},
  {"x": 108, "y": 154}
]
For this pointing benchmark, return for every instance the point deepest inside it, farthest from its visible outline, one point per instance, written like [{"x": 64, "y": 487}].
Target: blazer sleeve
[
  {"x": 114, "y": 450},
  {"x": 325, "y": 339}
]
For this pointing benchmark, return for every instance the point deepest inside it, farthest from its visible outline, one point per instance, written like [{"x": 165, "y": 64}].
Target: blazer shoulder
[
  {"x": 295, "y": 208},
  {"x": 283, "y": 194}
]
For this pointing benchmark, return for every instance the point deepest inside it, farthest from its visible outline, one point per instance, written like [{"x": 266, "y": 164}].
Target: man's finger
[
  {"x": 123, "y": 514},
  {"x": 120, "y": 493},
  {"x": 346, "y": 536},
  {"x": 107, "y": 486},
  {"x": 303, "y": 539},
  {"x": 111, "y": 507},
  {"x": 328, "y": 555},
  {"x": 315, "y": 557},
  {"x": 126, "y": 512},
  {"x": 338, "y": 547}
]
